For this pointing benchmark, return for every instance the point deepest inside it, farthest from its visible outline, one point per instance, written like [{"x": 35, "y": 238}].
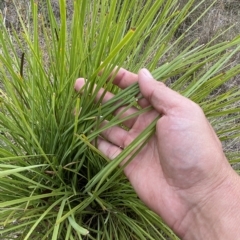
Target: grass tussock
[{"x": 55, "y": 184}]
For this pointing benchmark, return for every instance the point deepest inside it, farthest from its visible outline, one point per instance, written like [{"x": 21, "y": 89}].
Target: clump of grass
[{"x": 55, "y": 184}]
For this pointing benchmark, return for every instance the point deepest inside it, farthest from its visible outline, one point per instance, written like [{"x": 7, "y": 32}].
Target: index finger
[{"x": 123, "y": 78}]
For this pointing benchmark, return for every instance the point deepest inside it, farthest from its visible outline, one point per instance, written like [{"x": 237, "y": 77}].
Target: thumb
[{"x": 158, "y": 94}]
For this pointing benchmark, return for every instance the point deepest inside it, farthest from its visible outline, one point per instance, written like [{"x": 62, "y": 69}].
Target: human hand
[{"x": 182, "y": 173}]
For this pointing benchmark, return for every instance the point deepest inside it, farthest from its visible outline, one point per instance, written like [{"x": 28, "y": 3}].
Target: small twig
[
  {"x": 21, "y": 66},
  {"x": 56, "y": 33}
]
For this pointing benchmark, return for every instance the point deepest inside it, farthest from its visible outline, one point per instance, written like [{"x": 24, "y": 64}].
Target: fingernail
[
  {"x": 79, "y": 84},
  {"x": 146, "y": 73}
]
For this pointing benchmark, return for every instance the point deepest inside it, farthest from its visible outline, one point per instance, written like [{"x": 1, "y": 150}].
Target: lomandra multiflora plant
[{"x": 55, "y": 183}]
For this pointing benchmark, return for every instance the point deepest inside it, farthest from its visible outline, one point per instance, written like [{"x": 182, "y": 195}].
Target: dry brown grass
[
  {"x": 220, "y": 17},
  {"x": 223, "y": 14}
]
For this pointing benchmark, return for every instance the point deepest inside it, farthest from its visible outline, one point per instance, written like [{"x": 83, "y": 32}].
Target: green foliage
[{"x": 55, "y": 184}]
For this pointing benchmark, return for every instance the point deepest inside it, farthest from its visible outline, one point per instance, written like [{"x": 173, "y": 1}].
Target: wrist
[{"x": 218, "y": 215}]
